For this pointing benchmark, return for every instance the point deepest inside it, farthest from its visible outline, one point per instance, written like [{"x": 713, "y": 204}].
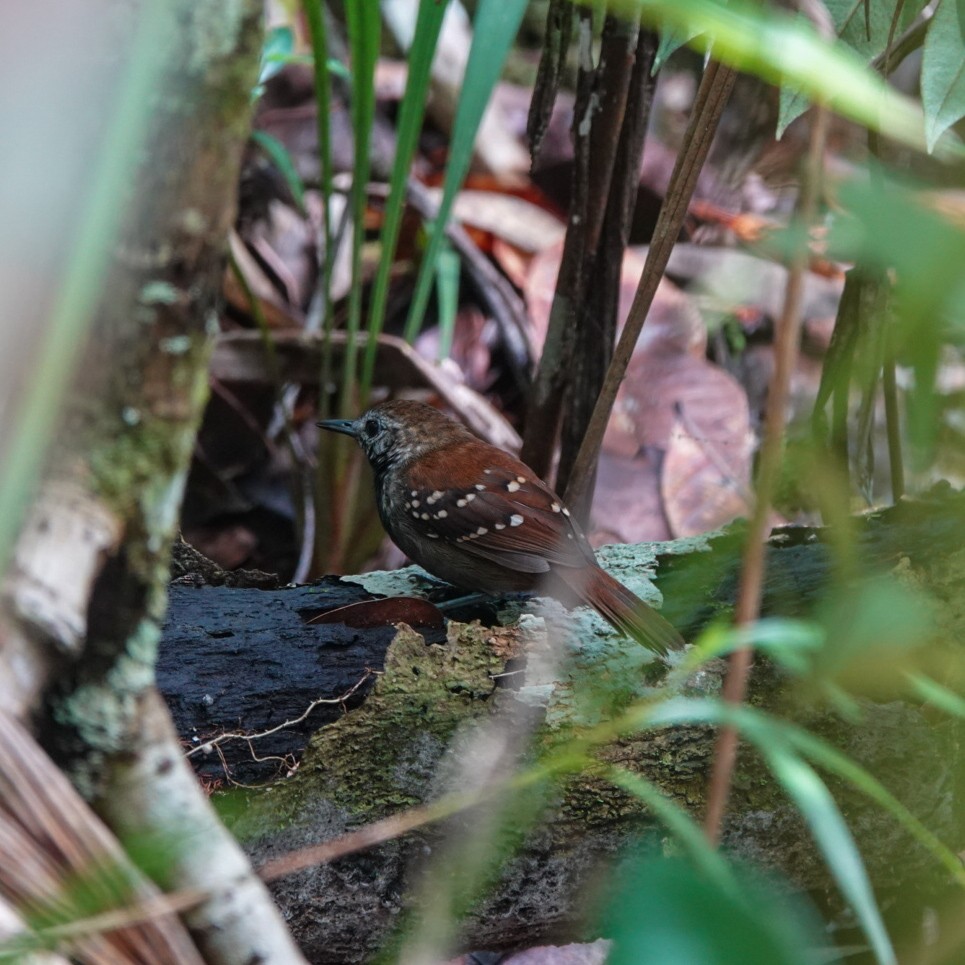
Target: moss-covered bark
[{"x": 401, "y": 747}]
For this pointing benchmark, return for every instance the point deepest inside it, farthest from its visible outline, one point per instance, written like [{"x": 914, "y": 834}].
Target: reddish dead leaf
[
  {"x": 704, "y": 484},
  {"x": 697, "y": 415},
  {"x": 514, "y": 262},
  {"x": 673, "y": 323},
  {"x": 379, "y": 613},
  {"x": 627, "y": 504},
  {"x": 230, "y": 546}
]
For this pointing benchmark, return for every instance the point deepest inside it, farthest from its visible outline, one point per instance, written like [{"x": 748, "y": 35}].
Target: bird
[{"x": 475, "y": 516}]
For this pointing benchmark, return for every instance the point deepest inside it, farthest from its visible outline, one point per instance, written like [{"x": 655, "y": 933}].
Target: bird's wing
[{"x": 508, "y": 517}]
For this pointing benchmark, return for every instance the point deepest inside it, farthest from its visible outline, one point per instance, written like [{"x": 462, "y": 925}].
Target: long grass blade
[
  {"x": 364, "y": 34},
  {"x": 90, "y": 253},
  {"x": 831, "y": 833},
  {"x": 494, "y": 29},
  {"x": 411, "y": 114},
  {"x": 315, "y": 17},
  {"x": 680, "y": 824}
]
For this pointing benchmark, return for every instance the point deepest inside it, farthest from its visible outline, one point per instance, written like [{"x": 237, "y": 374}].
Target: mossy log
[{"x": 410, "y": 740}]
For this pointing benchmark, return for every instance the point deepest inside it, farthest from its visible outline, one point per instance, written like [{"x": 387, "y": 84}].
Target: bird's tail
[{"x": 625, "y": 610}]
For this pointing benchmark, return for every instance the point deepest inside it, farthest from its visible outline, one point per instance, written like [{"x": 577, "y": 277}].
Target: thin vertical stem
[
  {"x": 893, "y": 423},
  {"x": 772, "y": 448},
  {"x": 712, "y": 96}
]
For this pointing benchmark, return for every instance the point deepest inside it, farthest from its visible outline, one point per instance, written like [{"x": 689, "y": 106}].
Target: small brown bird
[{"x": 475, "y": 516}]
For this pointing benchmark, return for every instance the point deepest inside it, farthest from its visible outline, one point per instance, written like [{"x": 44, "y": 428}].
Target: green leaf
[
  {"x": 278, "y": 155},
  {"x": 278, "y": 47},
  {"x": 411, "y": 114},
  {"x": 671, "y": 40},
  {"x": 943, "y": 70},
  {"x": 680, "y": 824},
  {"x": 664, "y": 912},
  {"x": 791, "y": 105},
  {"x": 783, "y": 49},
  {"x": 448, "y": 266},
  {"x": 494, "y": 29},
  {"x": 790, "y": 642},
  {"x": 926, "y": 252},
  {"x": 933, "y": 692},
  {"x": 832, "y": 760},
  {"x": 866, "y": 26},
  {"x": 828, "y": 827},
  {"x": 364, "y": 29}
]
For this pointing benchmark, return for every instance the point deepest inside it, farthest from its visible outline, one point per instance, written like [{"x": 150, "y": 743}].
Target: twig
[
  {"x": 712, "y": 97},
  {"x": 752, "y": 569},
  {"x": 210, "y": 745}
]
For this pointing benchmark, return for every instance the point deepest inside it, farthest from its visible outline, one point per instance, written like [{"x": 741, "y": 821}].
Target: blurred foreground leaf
[{"x": 664, "y": 912}]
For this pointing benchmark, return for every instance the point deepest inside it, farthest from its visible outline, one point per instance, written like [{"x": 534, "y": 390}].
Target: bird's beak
[{"x": 345, "y": 426}]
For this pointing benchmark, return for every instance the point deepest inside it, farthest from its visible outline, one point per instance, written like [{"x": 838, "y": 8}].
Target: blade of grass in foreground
[
  {"x": 831, "y": 833},
  {"x": 411, "y": 114},
  {"x": 89, "y": 255},
  {"x": 494, "y": 29},
  {"x": 680, "y": 824},
  {"x": 809, "y": 794}
]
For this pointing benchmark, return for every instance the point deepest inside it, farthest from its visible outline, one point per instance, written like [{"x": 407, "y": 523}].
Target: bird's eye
[{"x": 371, "y": 427}]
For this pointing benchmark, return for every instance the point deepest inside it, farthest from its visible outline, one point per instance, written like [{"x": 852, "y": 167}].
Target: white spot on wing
[
  {"x": 500, "y": 525},
  {"x": 460, "y": 503},
  {"x": 481, "y": 531},
  {"x": 512, "y": 486},
  {"x": 442, "y": 514},
  {"x": 515, "y": 520},
  {"x": 555, "y": 507},
  {"x": 520, "y": 479},
  {"x": 480, "y": 487},
  {"x": 566, "y": 512},
  {"x": 470, "y": 497},
  {"x": 415, "y": 502}
]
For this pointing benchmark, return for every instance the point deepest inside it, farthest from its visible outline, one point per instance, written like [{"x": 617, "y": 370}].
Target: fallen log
[{"x": 406, "y": 741}]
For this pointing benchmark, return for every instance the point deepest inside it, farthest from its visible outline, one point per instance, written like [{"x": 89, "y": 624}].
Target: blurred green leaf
[
  {"x": 867, "y": 26},
  {"x": 790, "y": 642},
  {"x": 276, "y": 51},
  {"x": 831, "y": 833},
  {"x": 890, "y": 226},
  {"x": 683, "y": 827},
  {"x": 933, "y": 692},
  {"x": 665, "y": 912},
  {"x": 278, "y": 154},
  {"x": 835, "y": 762},
  {"x": 448, "y": 267},
  {"x": 494, "y": 29},
  {"x": 91, "y": 235},
  {"x": 879, "y": 619},
  {"x": 784, "y": 49},
  {"x": 671, "y": 40},
  {"x": 943, "y": 70}
]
